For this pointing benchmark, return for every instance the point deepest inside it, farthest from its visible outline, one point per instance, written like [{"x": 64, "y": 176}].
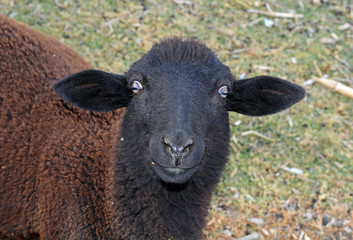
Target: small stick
[
  {"x": 268, "y": 7},
  {"x": 111, "y": 22},
  {"x": 276, "y": 14},
  {"x": 317, "y": 69},
  {"x": 301, "y": 5},
  {"x": 336, "y": 86},
  {"x": 327, "y": 162},
  {"x": 241, "y": 50},
  {"x": 342, "y": 61},
  {"x": 60, "y": 4},
  {"x": 264, "y": 68},
  {"x": 226, "y": 31},
  {"x": 277, "y": 50},
  {"x": 235, "y": 149},
  {"x": 256, "y": 21},
  {"x": 342, "y": 79},
  {"x": 243, "y": 4},
  {"x": 344, "y": 74},
  {"x": 252, "y": 132}
]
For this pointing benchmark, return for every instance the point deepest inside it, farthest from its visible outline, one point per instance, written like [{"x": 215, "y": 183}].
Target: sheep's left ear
[
  {"x": 262, "y": 95},
  {"x": 94, "y": 90}
]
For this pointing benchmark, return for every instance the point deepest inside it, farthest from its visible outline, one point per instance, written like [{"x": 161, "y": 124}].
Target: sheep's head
[{"x": 178, "y": 97}]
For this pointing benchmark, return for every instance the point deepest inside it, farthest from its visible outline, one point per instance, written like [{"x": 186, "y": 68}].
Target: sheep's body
[
  {"x": 46, "y": 174},
  {"x": 73, "y": 174}
]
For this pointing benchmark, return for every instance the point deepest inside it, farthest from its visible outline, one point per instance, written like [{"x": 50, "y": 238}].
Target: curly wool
[{"x": 53, "y": 155}]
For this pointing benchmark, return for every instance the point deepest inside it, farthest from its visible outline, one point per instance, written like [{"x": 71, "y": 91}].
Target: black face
[
  {"x": 177, "y": 106},
  {"x": 178, "y": 94}
]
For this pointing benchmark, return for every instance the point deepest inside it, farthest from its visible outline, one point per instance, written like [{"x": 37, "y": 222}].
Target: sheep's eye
[
  {"x": 136, "y": 87},
  {"x": 223, "y": 91}
]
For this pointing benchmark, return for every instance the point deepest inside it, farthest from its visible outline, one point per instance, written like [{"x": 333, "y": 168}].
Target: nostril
[
  {"x": 166, "y": 141},
  {"x": 189, "y": 143},
  {"x": 178, "y": 150}
]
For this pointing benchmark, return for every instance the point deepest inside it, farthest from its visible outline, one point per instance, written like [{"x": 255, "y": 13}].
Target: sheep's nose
[{"x": 178, "y": 148}]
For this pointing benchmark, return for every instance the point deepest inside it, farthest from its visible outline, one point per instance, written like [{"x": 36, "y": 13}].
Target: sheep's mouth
[
  {"x": 172, "y": 168},
  {"x": 173, "y": 174}
]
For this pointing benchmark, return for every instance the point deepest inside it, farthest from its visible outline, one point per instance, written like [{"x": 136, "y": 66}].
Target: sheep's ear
[
  {"x": 262, "y": 95},
  {"x": 94, "y": 90}
]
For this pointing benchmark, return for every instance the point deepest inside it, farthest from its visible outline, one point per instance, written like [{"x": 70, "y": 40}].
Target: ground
[{"x": 290, "y": 175}]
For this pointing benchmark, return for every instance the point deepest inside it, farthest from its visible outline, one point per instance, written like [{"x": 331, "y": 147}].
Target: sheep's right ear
[{"x": 94, "y": 90}]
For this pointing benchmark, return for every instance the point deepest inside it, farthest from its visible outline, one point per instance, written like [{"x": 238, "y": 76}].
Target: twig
[
  {"x": 236, "y": 51},
  {"x": 344, "y": 27},
  {"x": 317, "y": 69},
  {"x": 60, "y": 4},
  {"x": 232, "y": 145},
  {"x": 276, "y": 14},
  {"x": 301, "y": 5},
  {"x": 342, "y": 61},
  {"x": 346, "y": 122},
  {"x": 336, "y": 86},
  {"x": 296, "y": 26},
  {"x": 349, "y": 146},
  {"x": 243, "y": 4},
  {"x": 268, "y": 7},
  {"x": 111, "y": 22},
  {"x": 256, "y": 21},
  {"x": 182, "y": 2},
  {"x": 327, "y": 162},
  {"x": 308, "y": 83},
  {"x": 263, "y": 68},
  {"x": 226, "y": 31},
  {"x": 252, "y": 132},
  {"x": 346, "y": 80},
  {"x": 277, "y": 50},
  {"x": 345, "y": 74}
]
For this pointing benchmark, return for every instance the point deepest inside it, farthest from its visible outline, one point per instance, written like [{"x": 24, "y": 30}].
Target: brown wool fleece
[{"x": 39, "y": 182}]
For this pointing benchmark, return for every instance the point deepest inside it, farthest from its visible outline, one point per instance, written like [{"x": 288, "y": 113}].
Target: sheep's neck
[{"x": 154, "y": 210}]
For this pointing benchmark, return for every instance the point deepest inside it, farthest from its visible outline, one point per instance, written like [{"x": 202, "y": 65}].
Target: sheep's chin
[{"x": 174, "y": 174}]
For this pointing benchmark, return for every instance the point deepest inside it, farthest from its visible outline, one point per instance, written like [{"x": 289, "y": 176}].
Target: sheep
[{"x": 88, "y": 154}]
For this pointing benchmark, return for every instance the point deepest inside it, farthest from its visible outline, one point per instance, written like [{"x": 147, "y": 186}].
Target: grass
[{"x": 315, "y": 135}]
